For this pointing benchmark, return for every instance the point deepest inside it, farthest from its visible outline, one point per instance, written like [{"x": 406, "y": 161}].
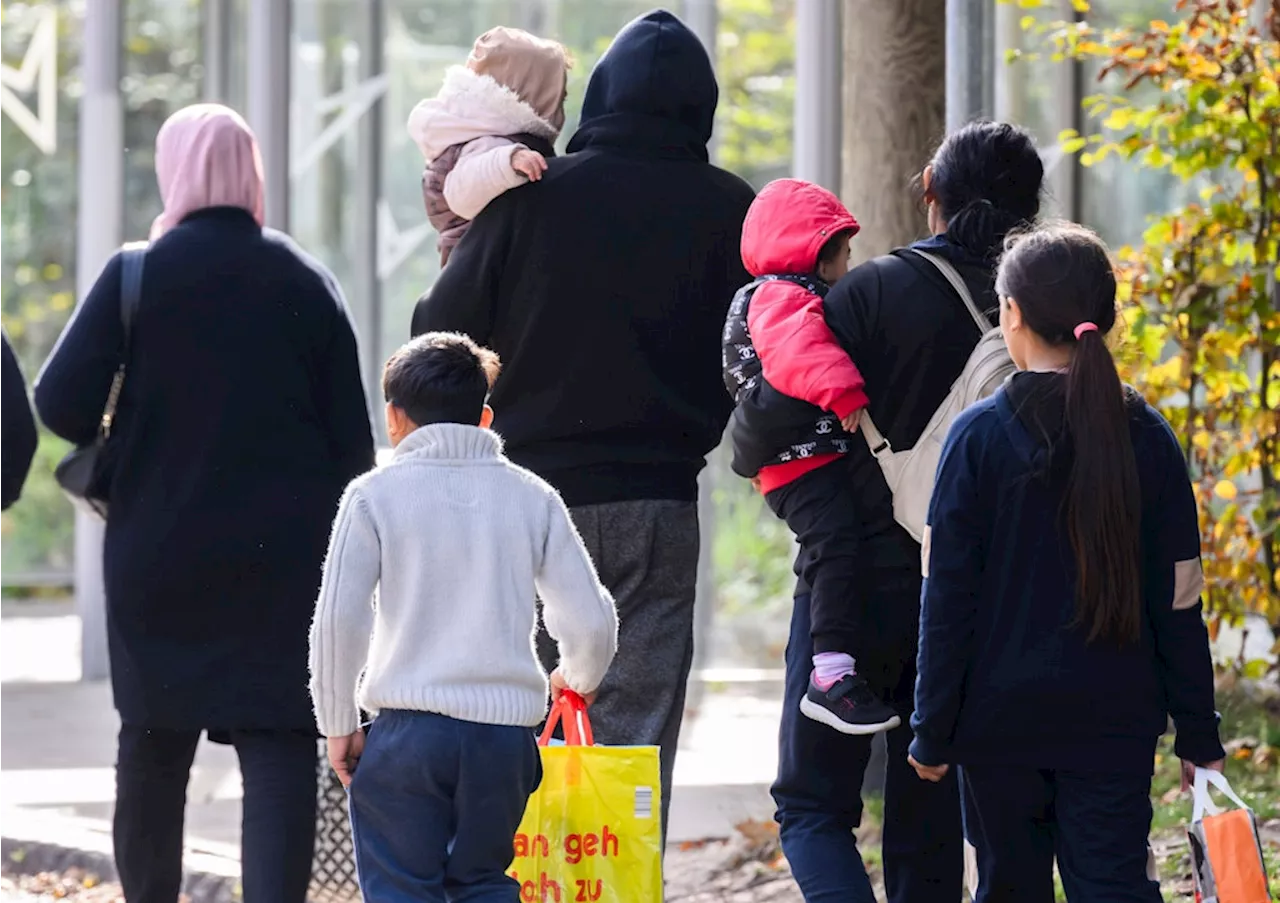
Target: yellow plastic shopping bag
[{"x": 591, "y": 831}]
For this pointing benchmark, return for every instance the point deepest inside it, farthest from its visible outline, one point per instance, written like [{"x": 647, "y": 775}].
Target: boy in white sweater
[{"x": 458, "y": 542}]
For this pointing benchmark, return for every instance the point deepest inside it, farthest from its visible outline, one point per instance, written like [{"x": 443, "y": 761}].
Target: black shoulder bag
[{"x": 86, "y": 473}]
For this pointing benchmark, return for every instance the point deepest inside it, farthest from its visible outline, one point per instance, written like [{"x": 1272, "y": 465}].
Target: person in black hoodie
[
  {"x": 910, "y": 334},
  {"x": 1061, "y": 622},
  {"x": 604, "y": 288},
  {"x": 19, "y": 428}
]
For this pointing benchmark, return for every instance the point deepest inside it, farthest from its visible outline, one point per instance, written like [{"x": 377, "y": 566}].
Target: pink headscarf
[{"x": 206, "y": 156}]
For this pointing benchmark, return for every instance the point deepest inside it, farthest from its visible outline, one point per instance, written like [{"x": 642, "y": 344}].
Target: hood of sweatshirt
[
  {"x": 787, "y": 225},
  {"x": 654, "y": 91},
  {"x": 1033, "y": 408}
]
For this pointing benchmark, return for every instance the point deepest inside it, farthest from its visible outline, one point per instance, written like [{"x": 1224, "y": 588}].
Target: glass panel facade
[
  {"x": 356, "y": 68},
  {"x": 40, "y": 46},
  {"x": 1119, "y": 196}
]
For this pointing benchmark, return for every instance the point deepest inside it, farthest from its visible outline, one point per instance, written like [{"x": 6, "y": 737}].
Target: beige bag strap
[
  {"x": 957, "y": 282},
  {"x": 876, "y": 441}
]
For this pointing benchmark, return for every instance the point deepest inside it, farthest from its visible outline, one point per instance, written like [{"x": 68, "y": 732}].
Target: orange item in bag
[{"x": 1226, "y": 854}]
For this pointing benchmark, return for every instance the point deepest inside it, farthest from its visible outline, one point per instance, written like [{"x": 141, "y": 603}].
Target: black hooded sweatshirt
[
  {"x": 19, "y": 428},
  {"x": 604, "y": 286}
]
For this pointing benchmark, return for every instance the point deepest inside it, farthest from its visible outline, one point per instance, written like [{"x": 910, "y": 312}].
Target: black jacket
[
  {"x": 242, "y": 419},
  {"x": 604, "y": 286},
  {"x": 19, "y": 445},
  {"x": 910, "y": 335},
  {"x": 770, "y": 427}
]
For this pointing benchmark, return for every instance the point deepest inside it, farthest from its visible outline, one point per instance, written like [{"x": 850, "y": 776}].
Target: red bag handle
[{"x": 571, "y": 711}]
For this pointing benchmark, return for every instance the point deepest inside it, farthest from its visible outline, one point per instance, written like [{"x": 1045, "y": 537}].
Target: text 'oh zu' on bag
[
  {"x": 1226, "y": 853},
  {"x": 592, "y": 830}
]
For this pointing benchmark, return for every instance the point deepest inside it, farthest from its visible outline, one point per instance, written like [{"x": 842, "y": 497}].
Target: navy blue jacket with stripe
[{"x": 1006, "y": 676}]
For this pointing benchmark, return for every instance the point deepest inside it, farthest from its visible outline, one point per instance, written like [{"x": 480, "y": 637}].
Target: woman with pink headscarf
[{"x": 241, "y": 419}]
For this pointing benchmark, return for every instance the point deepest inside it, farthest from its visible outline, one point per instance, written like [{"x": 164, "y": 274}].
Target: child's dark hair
[
  {"x": 832, "y": 246},
  {"x": 986, "y": 179},
  {"x": 1063, "y": 281},
  {"x": 440, "y": 377}
]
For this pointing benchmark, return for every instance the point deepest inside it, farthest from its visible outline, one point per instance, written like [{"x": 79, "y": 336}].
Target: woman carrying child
[{"x": 1061, "y": 617}]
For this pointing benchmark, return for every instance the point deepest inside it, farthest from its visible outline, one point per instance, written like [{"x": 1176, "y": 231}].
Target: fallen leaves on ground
[{"x": 74, "y": 885}]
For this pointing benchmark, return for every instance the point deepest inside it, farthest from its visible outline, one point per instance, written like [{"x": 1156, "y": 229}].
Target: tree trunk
[{"x": 894, "y": 115}]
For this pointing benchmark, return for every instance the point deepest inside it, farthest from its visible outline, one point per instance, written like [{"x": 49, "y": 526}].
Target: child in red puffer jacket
[{"x": 799, "y": 396}]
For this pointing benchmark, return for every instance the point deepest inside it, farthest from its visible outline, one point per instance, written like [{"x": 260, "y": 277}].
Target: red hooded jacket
[{"x": 785, "y": 228}]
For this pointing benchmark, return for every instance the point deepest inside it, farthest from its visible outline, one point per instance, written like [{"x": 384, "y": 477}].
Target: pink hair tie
[{"x": 1084, "y": 327}]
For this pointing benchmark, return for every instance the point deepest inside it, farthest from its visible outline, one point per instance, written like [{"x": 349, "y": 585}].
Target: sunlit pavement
[{"x": 57, "y": 745}]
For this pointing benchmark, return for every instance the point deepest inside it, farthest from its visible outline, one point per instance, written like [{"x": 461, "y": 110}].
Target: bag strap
[
  {"x": 571, "y": 711},
  {"x": 1200, "y": 793},
  {"x": 876, "y": 441},
  {"x": 132, "y": 258},
  {"x": 952, "y": 275}
]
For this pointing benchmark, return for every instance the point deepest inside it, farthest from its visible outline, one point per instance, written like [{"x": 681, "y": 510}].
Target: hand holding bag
[
  {"x": 85, "y": 474},
  {"x": 591, "y": 831},
  {"x": 1226, "y": 854}
]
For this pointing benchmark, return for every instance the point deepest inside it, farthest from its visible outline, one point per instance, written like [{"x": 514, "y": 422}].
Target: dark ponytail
[
  {"x": 1063, "y": 281},
  {"x": 986, "y": 179}
]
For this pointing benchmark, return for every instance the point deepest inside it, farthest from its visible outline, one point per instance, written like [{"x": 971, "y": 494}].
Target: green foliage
[
  {"x": 1200, "y": 292},
  {"x": 756, "y": 68}
]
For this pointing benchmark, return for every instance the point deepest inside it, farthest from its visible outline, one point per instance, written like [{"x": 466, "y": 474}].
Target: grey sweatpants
[{"x": 647, "y": 555}]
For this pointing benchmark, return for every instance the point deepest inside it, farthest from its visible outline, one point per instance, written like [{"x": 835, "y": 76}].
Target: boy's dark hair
[
  {"x": 831, "y": 247},
  {"x": 440, "y": 377},
  {"x": 1061, "y": 276}
]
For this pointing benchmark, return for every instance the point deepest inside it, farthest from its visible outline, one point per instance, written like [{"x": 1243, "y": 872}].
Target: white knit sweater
[{"x": 458, "y": 542}]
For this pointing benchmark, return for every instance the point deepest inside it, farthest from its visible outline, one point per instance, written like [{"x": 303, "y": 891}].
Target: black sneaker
[{"x": 848, "y": 706}]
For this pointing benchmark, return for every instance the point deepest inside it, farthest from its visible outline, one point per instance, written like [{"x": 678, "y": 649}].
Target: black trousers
[
  {"x": 819, "y": 509},
  {"x": 279, "y": 820},
  {"x": 1094, "y": 823},
  {"x": 820, "y": 772}
]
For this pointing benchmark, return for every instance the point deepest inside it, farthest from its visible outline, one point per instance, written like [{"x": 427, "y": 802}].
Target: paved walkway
[{"x": 57, "y": 747}]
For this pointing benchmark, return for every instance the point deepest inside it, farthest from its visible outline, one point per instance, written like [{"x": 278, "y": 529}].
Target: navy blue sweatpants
[
  {"x": 819, "y": 787},
  {"x": 435, "y": 804},
  {"x": 1095, "y": 824}
]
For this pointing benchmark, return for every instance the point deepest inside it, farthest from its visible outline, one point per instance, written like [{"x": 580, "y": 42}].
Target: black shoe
[{"x": 848, "y": 706}]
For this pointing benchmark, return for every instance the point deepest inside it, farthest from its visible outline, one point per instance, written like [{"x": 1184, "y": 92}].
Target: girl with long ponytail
[{"x": 1061, "y": 619}]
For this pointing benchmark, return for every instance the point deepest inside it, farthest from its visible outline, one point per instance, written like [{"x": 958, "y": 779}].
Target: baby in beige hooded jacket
[{"x": 490, "y": 128}]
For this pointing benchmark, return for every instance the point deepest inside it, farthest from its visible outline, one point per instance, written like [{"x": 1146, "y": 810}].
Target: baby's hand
[
  {"x": 530, "y": 164},
  {"x": 850, "y": 423}
]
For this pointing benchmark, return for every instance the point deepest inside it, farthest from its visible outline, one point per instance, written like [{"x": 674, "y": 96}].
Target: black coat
[
  {"x": 19, "y": 428},
  {"x": 604, "y": 286},
  {"x": 242, "y": 419}
]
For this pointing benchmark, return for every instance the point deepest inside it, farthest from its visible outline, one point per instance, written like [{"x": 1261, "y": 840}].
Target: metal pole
[
  {"x": 269, "y": 64},
  {"x": 217, "y": 50},
  {"x": 819, "y": 66},
  {"x": 703, "y": 19},
  {"x": 368, "y": 189},
  {"x": 970, "y": 61},
  {"x": 99, "y": 227}
]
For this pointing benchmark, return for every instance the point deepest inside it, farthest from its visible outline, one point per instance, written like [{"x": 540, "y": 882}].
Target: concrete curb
[{"x": 32, "y": 842}]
